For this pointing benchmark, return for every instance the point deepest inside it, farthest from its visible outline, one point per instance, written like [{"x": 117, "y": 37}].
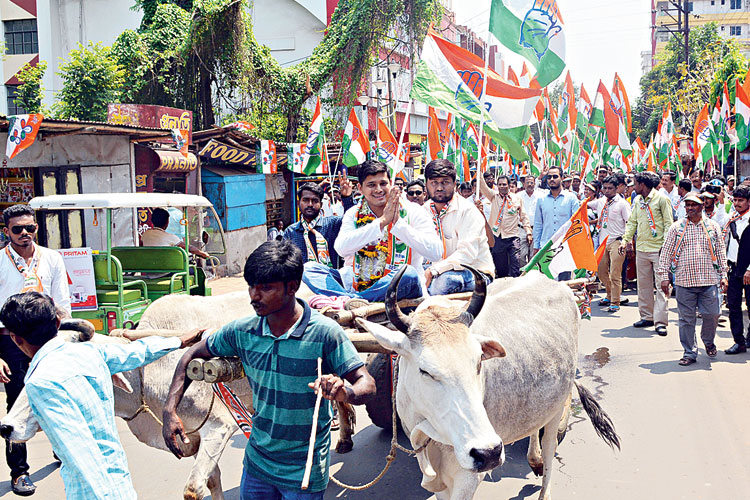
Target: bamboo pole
[{"x": 313, "y": 430}]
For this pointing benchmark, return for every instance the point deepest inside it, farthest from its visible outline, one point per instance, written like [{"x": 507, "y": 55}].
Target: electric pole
[{"x": 680, "y": 27}]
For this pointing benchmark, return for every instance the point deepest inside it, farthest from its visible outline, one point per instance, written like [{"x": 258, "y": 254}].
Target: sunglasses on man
[
  {"x": 30, "y": 228},
  {"x": 414, "y": 193}
]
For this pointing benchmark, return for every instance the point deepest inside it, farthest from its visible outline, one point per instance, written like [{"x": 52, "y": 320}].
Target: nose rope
[{"x": 391, "y": 457}]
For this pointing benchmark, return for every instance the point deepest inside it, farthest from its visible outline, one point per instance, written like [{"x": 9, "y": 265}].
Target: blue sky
[{"x": 602, "y": 36}]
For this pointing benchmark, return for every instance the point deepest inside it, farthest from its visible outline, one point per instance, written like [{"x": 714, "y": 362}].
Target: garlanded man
[
  {"x": 378, "y": 235},
  {"x": 461, "y": 230}
]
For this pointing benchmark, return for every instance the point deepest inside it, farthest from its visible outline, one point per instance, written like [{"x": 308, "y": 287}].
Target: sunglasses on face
[
  {"x": 554, "y": 176},
  {"x": 414, "y": 193},
  {"x": 30, "y": 228}
]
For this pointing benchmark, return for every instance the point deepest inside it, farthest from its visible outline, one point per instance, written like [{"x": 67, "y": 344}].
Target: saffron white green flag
[
  {"x": 534, "y": 29},
  {"x": 451, "y": 78},
  {"x": 315, "y": 143},
  {"x": 355, "y": 144},
  {"x": 703, "y": 134},
  {"x": 742, "y": 116}
]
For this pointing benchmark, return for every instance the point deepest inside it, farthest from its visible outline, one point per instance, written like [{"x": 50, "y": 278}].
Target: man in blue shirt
[
  {"x": 553, "y": 210},
  {"x": 279, "y": 348},
  {"x": 315, "y": 234},
  {"x": 69, "y": 386}
]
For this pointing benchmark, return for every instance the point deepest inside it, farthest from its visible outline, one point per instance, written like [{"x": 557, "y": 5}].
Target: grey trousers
[
  {"x": 704, "y": 299},
  {"x": 525, "y": 249}
]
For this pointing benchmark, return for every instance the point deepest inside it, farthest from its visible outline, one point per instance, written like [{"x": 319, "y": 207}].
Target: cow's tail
[{"x": 599, "y": 418}]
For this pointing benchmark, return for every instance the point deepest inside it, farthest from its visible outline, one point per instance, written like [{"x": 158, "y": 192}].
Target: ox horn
[
  {"x": 395, "y": 315},
  {"x": 480, "y": 292}
]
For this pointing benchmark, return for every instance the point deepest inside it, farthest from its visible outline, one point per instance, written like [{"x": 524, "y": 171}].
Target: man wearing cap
[
  {"x": 567, "y": 182},
  {"x": 694, "y": 250},
  {"x": 601, "y": 173},
  {"x": 651, "y": 217},
  {"x": 737, "y": 237},
  {"x": 709, "y": 206}
]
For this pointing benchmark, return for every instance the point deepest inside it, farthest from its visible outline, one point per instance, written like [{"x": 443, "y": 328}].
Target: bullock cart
[{"x": 379, "y": 360}]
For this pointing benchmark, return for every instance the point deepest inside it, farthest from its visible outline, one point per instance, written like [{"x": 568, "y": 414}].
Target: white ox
[
  {"x": 150, "y": 385},
  {"x": 470, "y": 381}
]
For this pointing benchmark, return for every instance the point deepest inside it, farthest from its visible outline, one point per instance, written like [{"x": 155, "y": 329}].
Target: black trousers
[
  {"x": 734, "y": 304},
  {"x": 506, "y": 254},
  {"x": 18, "y": 363}
]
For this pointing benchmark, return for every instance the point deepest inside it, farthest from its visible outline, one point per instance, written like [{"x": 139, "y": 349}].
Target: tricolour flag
[
  {"x": 387, "y": 146},
  {"x": 570, "y": 248},
  {"x": 355, "y": 144},
  {"x": 512, "y": 77},
  {"x": 566, "y": 111},
  {"x": 315, "y": 143},
  {"x": 583, "y": 111},
  {"x": 535, "y": 31},
  {"x": 616, "y": 133},
  {"x": 703, "y": 136},
  {"x": 296, "y": 157},
  {"x": 22, "y": 130},
  {"x": 434, "y": 148},
  {"x": 622, "y": 103},
  {"x": 268, "y": 163},
  {"x": 452, "y": 78},
  {"x": 742, "y": 116},
  {"x": 665, "y": 133}
]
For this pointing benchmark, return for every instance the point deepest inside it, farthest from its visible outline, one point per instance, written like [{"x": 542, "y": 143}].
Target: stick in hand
[{"x": 311, "y": 447}]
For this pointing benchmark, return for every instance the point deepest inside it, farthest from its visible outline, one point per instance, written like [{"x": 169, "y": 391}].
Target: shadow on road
[
  {"x": 704, "y": 363},
  {"x": 35, "y": 476}
]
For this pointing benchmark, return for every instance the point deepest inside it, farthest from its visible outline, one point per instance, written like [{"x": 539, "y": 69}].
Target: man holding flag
[{"x": 651, "y": 218}]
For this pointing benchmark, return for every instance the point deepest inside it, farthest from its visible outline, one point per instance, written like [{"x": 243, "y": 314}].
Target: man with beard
[
  {"x": 379, "y": 235},
  {"x": 651, "y": 219},
  {"x": 505, "y": 217},
  {"x": 278, "y": 347},
  {"x": 25, "y": 266},
  {"x": 552, "y": 211},
  {"x": 315, "y": 234},
  {"x": 460, "y": 227}
]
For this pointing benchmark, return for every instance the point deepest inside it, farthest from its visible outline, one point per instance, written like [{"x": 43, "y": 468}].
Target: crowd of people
[
  {"x": 646, "y": 221},
  {"x": 690, "y": 236}
]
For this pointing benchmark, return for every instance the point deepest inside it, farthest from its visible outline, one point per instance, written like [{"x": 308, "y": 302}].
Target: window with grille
[
  {"x": 735, "y": 30},
  {"x": 13, "y": 108},
  {"x": 21, "y": 37}
]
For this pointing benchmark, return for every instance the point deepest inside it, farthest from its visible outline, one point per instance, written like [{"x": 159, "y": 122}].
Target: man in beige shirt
[
  {"x": 460, "y": 226},
  {"x": 506, "y": 215}
]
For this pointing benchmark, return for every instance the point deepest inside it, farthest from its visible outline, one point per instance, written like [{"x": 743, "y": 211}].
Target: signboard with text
[
  {"x": 79, "y": 264},
  {"x": 149, "y": 115}
]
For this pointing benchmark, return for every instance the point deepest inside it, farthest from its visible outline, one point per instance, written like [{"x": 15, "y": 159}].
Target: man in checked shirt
[{"x": 694, "y": 250}]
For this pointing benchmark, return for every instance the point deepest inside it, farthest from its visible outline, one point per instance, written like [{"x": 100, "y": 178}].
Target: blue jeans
[
  {"x": 323, "y": 280},
  {"x": 453, "y": 282},
  {"x": 253, "y": 488}
]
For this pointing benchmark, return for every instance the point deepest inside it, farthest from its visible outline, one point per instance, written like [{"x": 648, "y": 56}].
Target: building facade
[{"x": 732, "y": 18}]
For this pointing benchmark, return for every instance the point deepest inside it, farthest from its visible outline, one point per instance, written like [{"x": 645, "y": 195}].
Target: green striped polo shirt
[{"x": 279, "y": 370}]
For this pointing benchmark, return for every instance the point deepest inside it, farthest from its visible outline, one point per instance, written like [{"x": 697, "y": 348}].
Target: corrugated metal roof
[{"x": 52, "y": 124}]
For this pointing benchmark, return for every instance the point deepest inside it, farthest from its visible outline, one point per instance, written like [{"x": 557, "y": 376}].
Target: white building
[{"x": 48, "y": 30}]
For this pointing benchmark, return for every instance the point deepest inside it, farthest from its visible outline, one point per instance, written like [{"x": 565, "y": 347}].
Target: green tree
[
  {"x": 30, "y": 92},
  {"x": 712, "y": 60},
  {"x": 91, "y": 79}
]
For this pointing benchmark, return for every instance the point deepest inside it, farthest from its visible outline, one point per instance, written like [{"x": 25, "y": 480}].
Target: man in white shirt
[
  {"x": 378, "y": 235},
  {"x": 613, "y": 212},
  {"x": 460, "y": 227},
  {"x": 683, "y": 188},
  {"x": 669, "y": 188},
  {"x": 25, "y": 266},
  {"x": 529, "y": 196},
  {"x": 709, "y": 207},
  {"x": 737, "y": 236},
  {"x": 696, "y": 178},
  {"x": 157, "y": 236}
]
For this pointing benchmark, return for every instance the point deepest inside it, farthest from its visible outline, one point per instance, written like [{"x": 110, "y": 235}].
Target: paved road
[{"x": 683, "y": 433}]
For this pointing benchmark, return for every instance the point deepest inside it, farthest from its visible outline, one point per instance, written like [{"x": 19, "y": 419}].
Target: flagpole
[{"x": 481, "y": 99}]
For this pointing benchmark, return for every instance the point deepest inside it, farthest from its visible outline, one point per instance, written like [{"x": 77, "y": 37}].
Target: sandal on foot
[{"x": 685, "y": 361}]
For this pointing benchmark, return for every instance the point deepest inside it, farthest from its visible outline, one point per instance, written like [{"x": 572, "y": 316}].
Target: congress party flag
[
  {"x": 570, "y": 248},
  {"x": 434, "y": 147},
  {"x": 583, "y": 110},
  {"x": 665, "y": 133},
  {"x": 742, "y": 116},
  {"x": 452, "y": 78},
  {"x": 387, "y": 145},
  {"x": 268, "y": 162},
  {"x": 616, "y": 133},
  {"x": 535, "y": 30},
  {"x": 22, "y": 130},
  {"x": 622, "y": 103},
  {"x": 315, "y": 143},
  {"x": 703, "y": 135},
  {"x": 355, "y": 144}
]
